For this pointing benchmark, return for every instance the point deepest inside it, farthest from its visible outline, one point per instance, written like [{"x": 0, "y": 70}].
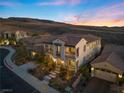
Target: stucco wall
[
  {"x": 81, "y": 56},
  {"x": 89, "y": 53},
  {"x": 107, "y": 66}
]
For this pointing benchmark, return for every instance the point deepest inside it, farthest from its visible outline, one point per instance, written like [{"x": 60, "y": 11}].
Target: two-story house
[
  {"x": 73, "y": 50},
  {"x": 69, "y": 49}
]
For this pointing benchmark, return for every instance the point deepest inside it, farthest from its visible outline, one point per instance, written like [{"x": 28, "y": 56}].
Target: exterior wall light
[
  {"x": 122, "y": 91},
  {"x": 92, "y": 68},
  {"x": 120, "y": 76},
  {"x": 14, "y": 43},
  {"x": 7, "y": 42},
  {"x": 33, "y": 53},
  {"x": 54, "y": 59},
  {"x": 62, "y": 62}
]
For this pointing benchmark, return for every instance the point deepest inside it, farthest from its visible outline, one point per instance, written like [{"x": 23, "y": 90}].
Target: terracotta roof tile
[{"x": 112, "y": 54}]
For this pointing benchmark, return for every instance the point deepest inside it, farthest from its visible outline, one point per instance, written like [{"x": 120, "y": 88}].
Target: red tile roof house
[
  {"x": 72, "y": 50},
  {"x": 110, "y": 64}
]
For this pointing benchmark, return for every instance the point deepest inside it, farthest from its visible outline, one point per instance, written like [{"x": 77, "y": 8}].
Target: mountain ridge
[{"x": 40, "y": 26}]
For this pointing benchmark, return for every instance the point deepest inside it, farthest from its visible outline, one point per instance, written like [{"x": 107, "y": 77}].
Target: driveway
[{"x": 96, "y": 85}]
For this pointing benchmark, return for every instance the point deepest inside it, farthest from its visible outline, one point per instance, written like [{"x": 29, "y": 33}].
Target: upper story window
[
  {"x": 78, "y": 51},
  {"x": 98, "y": 41},
  {"x": 84, "y": 48}
]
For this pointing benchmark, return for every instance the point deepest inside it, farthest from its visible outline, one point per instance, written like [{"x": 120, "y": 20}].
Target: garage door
[{"x": 105, "y": 75}]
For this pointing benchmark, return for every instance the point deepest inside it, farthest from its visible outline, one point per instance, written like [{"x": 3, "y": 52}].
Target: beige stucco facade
[
  {"x": 109, "y": 65},
  {"x": 58, "y": 50},
  {"x": 106, "y": 71}
]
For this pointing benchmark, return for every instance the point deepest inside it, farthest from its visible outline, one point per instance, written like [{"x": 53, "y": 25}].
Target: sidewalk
[{"x": 41, "y": 86}]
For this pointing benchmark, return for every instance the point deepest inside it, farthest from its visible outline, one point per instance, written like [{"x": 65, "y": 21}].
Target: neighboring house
[
  {"x": 110, "y": 64},
  {"x": 71, "y": 50},
  {"x": 35, "y": 44},
  {"x": 15, "y": 35}
]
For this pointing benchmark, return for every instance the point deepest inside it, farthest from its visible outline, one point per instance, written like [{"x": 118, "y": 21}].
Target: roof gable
[
  {"x": 81, "y": 42},
  {"x": 112, "y": 54},
  {"x": 107, "y": 66},
  {"x": 58, "y": 41}
]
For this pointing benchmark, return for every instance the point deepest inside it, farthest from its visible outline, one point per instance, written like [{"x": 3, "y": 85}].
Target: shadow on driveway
[{"x": 96, "y": 85}]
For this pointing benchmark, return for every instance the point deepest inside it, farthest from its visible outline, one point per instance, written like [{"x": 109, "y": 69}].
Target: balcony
[
  {"x": 70, "y": 56},
  {"x": 70, "y": 52},
  {"x": 71, "y": 65}
]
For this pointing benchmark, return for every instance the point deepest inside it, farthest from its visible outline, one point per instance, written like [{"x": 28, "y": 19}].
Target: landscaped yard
[
  {"x": 45, "y": 66},
  {"x": 85, "y": 71},
  {"x": 58, "y": 84},
  {"x": 63, "y": 79},
  {"x": 22, "y": 55}
]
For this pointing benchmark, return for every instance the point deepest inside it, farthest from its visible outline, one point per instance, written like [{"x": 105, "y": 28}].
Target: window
[
  {"x": 78, "y": 51},
  {"x": 77, "y": 63},
  {"x": 84, "y": 48}
]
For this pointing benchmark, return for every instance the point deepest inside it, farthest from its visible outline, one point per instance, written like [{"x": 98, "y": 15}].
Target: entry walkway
[{"x": 41, "y": 86}]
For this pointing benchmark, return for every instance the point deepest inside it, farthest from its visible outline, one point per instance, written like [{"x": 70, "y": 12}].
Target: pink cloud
[
  {"x": 73, "y": 2},
  {"x": 55, "y": 3},
  {"x": 110, "y": 15},
  {"x": 8, "y": 4},
  {"x": 59, "y": 3}
]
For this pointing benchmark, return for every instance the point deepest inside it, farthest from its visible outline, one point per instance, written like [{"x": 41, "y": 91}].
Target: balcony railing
[{"x": 70, "y": 56}]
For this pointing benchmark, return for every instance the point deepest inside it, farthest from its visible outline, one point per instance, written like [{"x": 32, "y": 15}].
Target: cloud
[
  {"x": 55, "y": 3},
  {"x": 73, "y": 2},
  {"x": 110, "y": 15},
  {"x": 59, "y": 3},
  {"x": 8, "y": 4}
]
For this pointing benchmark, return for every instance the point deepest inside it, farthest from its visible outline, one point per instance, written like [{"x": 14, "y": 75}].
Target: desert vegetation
[{"x": 114, "y": 35}]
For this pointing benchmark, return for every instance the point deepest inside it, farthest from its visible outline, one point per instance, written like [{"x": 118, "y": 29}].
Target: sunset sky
[{"x": 79, "y": 12}]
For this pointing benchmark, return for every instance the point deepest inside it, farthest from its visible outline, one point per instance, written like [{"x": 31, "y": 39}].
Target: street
[{"x": 10, "y": 82}]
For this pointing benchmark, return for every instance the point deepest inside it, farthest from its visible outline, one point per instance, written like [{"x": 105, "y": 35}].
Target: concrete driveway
[{"x": 97, "y": 86}]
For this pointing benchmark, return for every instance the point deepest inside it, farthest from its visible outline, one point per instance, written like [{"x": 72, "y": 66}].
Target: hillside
[{"x": 37, "y": 26}]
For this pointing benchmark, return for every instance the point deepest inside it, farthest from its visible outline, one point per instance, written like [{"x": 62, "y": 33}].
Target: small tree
[
  {"x": 63, "y": 73},
  {"x": 85, "y": 70},
  {"x": 120, "y": 80}
]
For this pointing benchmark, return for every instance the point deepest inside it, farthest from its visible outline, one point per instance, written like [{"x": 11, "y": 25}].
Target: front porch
[
  {"x": 70, "y": 64},
  {"x": 60, "y": 51}
]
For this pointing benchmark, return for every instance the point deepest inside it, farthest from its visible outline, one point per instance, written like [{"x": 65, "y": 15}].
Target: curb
[
  {"x": 11, "y": 66},
  {"x": 7, "y": 65}
]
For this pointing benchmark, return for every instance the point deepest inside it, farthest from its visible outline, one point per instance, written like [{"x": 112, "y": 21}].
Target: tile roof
[
  {"x": 112, "y": 54},
  {"x": 73, "y": 39},
  {"x": 69, "y": 39},
  {"x": 13, "y": 31}
]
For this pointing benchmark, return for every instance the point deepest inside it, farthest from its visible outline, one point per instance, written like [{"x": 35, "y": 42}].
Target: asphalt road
[{"x": 10, "y": 82}]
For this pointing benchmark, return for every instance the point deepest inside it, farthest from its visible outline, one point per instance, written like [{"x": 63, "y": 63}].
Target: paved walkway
[
  {"x": 27, "y": 66},
  {"x": 22, "y": 73}
]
